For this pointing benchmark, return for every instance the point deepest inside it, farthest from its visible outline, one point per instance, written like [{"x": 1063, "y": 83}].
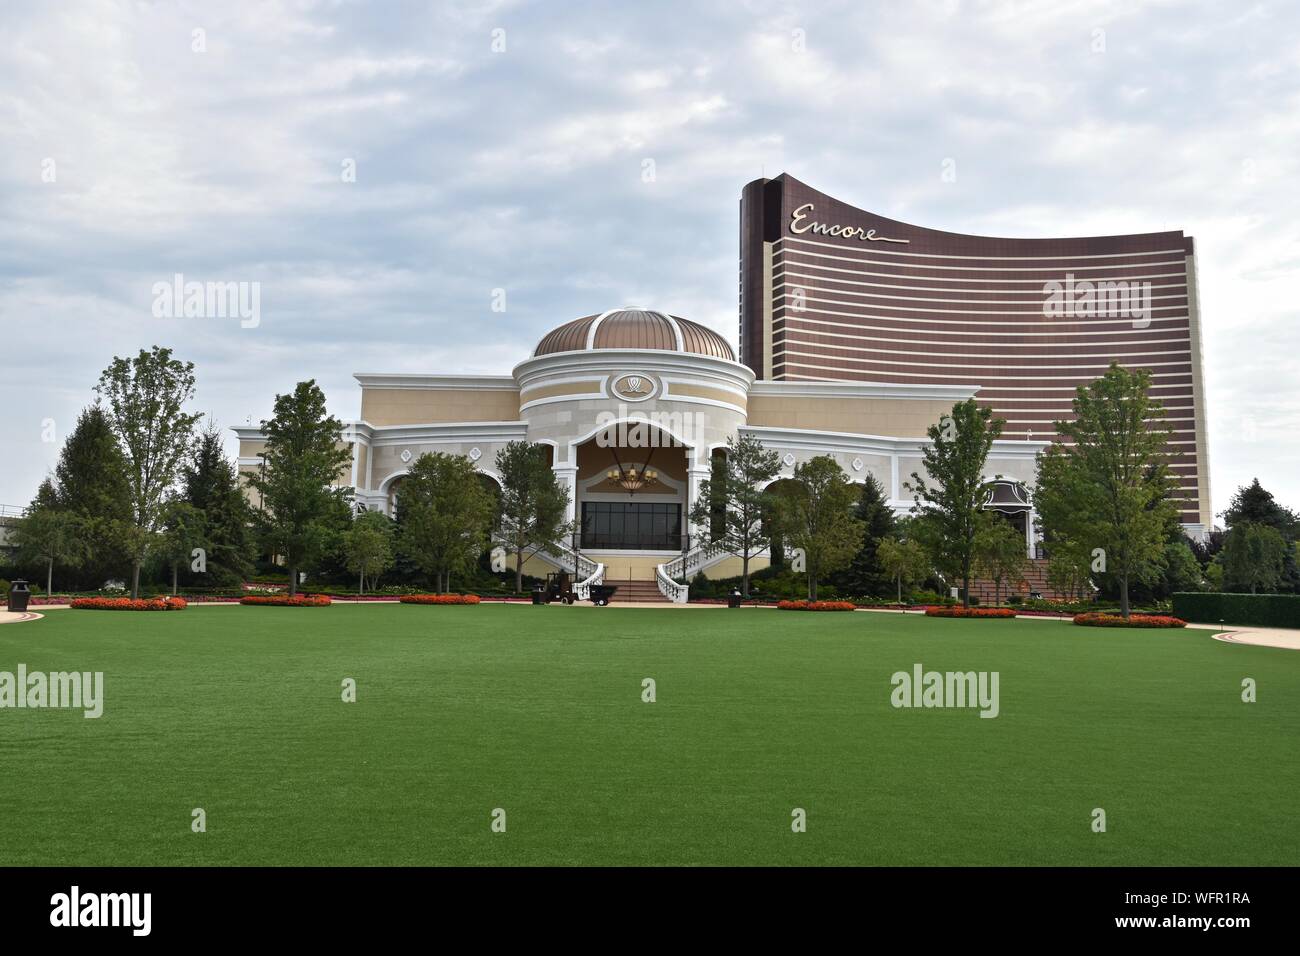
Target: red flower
[
  {"x": 815, "y": 605},
  {"x": 1098, "y": 619},
  {"x": 981, "y": 612},
  {"x": 127, "y": 604},
  {"x": 439, "y": 599},
  {"x": 283, "y": 600}
]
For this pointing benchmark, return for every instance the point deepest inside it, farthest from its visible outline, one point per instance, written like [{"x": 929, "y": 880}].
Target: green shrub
[{"x": 1261, "y": 610}]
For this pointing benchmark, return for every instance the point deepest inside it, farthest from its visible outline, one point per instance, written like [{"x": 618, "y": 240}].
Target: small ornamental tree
[
  {"x": 184, "y": 530},
  {"x": 1001, "y": 555},
  {"x": 50, "y": 537},
  {"x": 950, "y": 498},
  {"x": 368, "y": 547},
  {"x": 903, "y": 560},
  {"x": 533, "y": 504},
  {"x": 733, "y": 502}
]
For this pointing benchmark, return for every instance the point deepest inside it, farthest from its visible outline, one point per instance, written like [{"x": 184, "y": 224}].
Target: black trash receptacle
[
  {"x": 19, "y": 595},
  {"x": 539, "y": 595},
  {"x": 733, "y": 599}
]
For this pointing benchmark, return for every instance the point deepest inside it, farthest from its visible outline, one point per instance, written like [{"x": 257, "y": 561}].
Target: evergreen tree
[
  {"x": 1253, "y": 505},
  {"x": 90, "y": 482},
  {"x": 210, "y": 484},
  {"x": 866, "y": 575}
]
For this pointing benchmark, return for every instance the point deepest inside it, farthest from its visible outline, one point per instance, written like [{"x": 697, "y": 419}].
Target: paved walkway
[{"x": 14, "y": 617}]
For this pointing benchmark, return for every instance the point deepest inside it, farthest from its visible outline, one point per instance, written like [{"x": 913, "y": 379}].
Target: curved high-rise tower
[{"x": 830, "y": 292}]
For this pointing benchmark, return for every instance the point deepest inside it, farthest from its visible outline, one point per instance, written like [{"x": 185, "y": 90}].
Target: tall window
[{"x": 634, "y": 525}]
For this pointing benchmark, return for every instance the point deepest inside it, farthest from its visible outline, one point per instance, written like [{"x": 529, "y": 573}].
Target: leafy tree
[
  {"x": 949, "y": 501},
  {"x": 904, "y": 560},
  {"x": 865, "y": 574},
  {"x": 1182, "y": 572},
  {"x": 304, "y": 455},
  {"x": 1000, "y": 555},
  {"x": 533, "y": 503},
  {"x": 814, "y": 513},
  {"x": 1069, "y": 567},
  {"x": 368, "y": 545},
  {"x": 145, "y": 397},
  {"x": 1252, "y": 557},
  {"x": 444, "y": 515},
  {"x": 1252, "y": 504},
  {"x": 183, "y": 531},
  {"x": 52, "y": 537},
  {"x": 737, "y": 488},
  {"x": 210, "y": 483},
  {"x": 1104, "y": 485}
]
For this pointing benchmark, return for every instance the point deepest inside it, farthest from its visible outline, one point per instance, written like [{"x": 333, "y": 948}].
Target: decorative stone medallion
[
  {"x": 788, "y": 460},
  {"x": 405, "y": 456},
  {"x": 475, "y": 454},
  {"x": 857, "y": 464},
  {"x": 634, "y": 387}
]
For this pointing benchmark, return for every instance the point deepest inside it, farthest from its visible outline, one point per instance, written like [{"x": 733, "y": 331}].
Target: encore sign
[{"x": 798, "y": 227}]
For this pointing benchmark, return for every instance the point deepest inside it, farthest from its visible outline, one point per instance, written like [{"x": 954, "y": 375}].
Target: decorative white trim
[
  {"x": 677, "y": 329},
  {"x": 499, "y": 383},
  {"x": 591, "y": 332}
]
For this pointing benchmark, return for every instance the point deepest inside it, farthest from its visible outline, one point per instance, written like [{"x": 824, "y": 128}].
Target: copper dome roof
[{"x": 635, "y": 329}]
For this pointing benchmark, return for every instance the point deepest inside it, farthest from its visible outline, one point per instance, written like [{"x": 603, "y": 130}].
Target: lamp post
[{"x": 686, "y": 549}]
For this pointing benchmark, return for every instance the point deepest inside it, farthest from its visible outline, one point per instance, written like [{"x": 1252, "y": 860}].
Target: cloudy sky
[{"x": 504, "y": 146}]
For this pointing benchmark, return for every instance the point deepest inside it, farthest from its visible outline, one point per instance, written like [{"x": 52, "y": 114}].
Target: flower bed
[
  {"x": 439, "y": 599},
  {"x": 990, "y": 612},
  {"x": 127, "y": 604},
  {"x": 1096, "y": 619},
  {"x": 284, "y": 600},
  {"x": 816, "y": 606}
]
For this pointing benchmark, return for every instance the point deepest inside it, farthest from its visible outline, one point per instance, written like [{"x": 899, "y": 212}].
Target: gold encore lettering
[{"x": 799, "y": 217}]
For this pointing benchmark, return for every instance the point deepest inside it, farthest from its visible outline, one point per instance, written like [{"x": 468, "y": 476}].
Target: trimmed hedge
[
  {"x": 1261, "y": 610},
  {"x": 1093, "y": 619}
]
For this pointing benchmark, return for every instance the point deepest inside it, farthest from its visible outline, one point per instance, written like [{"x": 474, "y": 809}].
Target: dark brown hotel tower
[{"x": 831, "y": 292}]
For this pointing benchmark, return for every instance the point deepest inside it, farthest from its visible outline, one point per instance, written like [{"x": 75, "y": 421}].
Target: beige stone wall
[
  {"x": 419, "y": 406},
  {"x": 892, "y": 417}
]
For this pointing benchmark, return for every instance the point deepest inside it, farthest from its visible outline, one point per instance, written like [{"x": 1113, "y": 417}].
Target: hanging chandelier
[{"x": 629, "y": 479}]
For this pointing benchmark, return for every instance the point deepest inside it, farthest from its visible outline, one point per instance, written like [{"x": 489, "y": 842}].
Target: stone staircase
[
  {"x": 1035, "y": 580},
  {"x": 633, "y": 591}
]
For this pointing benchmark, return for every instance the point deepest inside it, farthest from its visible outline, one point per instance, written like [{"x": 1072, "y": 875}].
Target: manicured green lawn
[{"x": 538, "y": 711}]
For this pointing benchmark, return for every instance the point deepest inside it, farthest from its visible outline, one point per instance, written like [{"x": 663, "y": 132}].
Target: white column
[
  {"x": 568, "y": 476},
  {"x": 1029, "y": 532}
]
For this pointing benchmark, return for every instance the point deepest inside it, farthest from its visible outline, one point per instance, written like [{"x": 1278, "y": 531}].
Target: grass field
[{"x": 538, "y": 710}]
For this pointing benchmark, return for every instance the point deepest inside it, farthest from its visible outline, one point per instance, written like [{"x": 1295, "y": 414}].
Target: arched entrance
[{"x": 632, "y": 490}]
